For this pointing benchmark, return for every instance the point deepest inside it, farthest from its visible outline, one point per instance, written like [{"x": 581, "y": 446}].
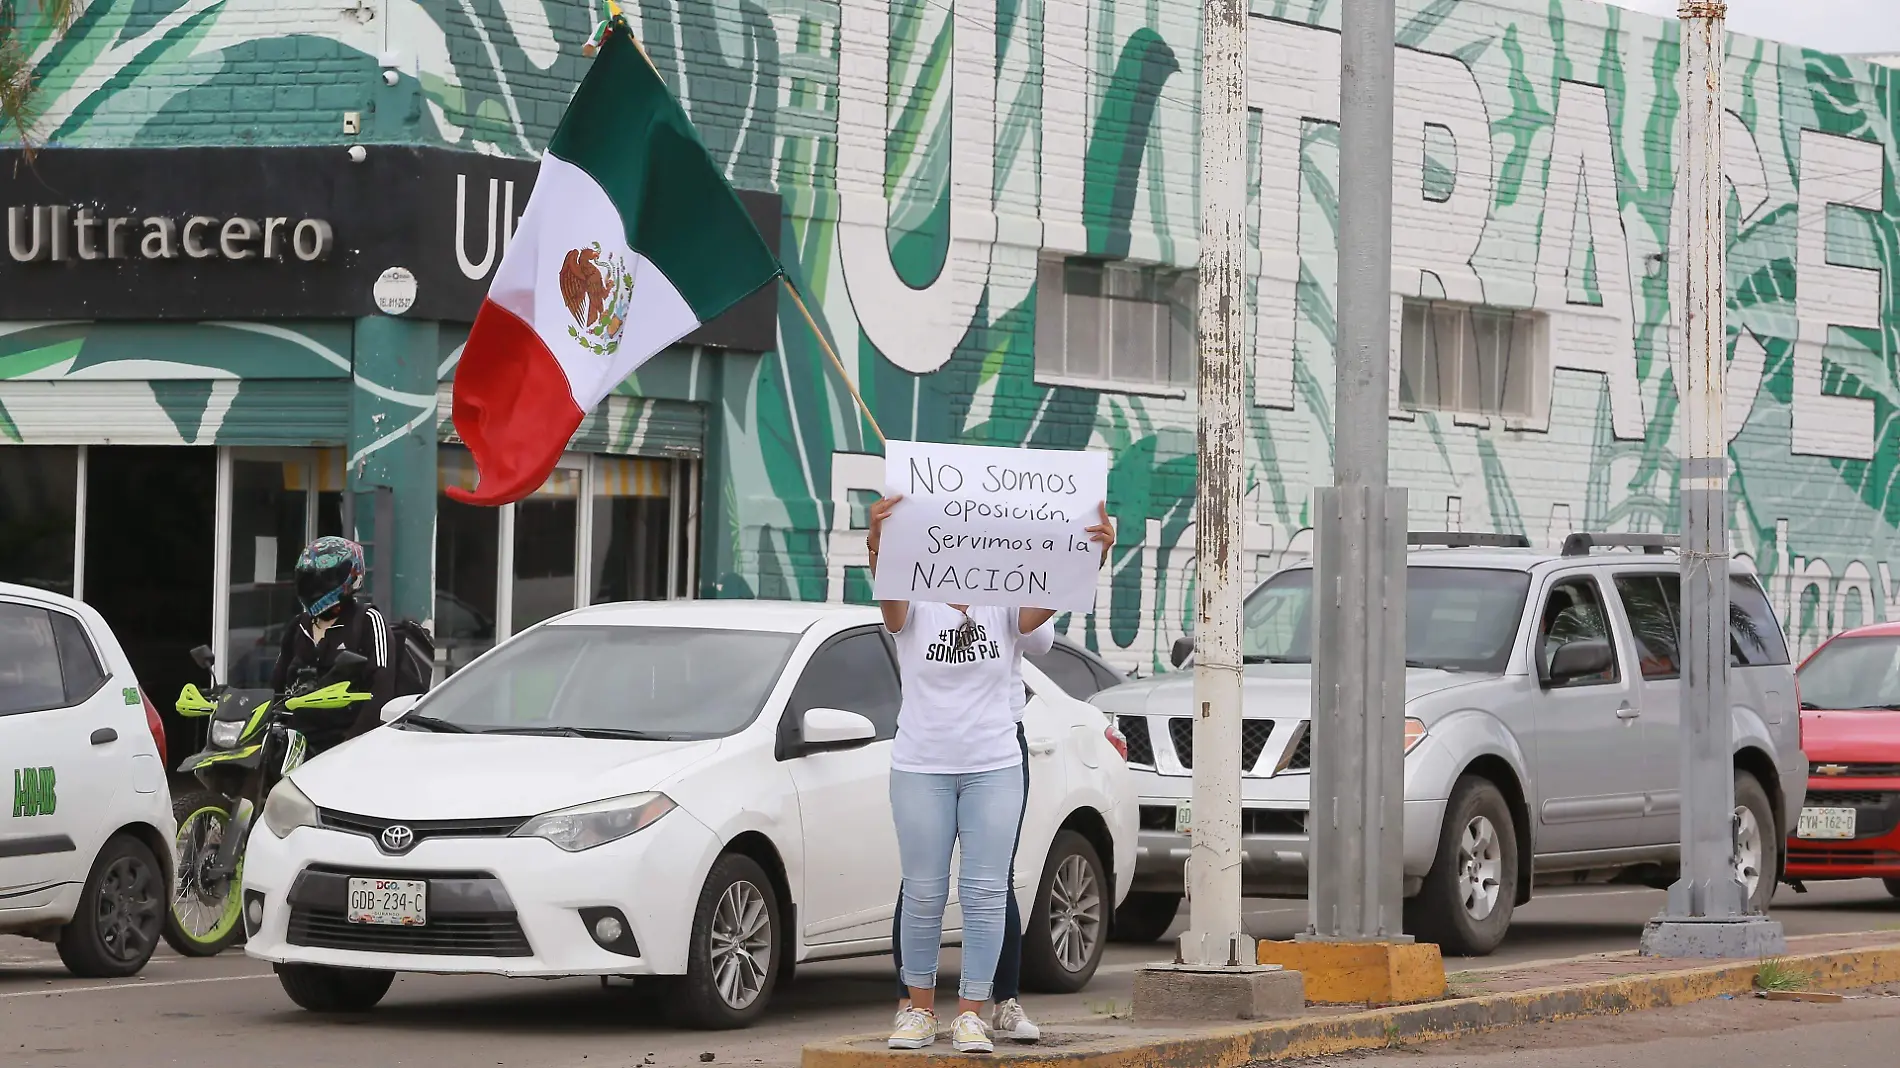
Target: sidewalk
[{"x": 1479, "y": 1000}]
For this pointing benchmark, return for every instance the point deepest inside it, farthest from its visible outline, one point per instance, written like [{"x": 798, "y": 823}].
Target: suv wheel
[
  {"x": 1145, "y": 917},
  {"x": 1756, "y": 843},
  {"x": 1466, "y": 903}
]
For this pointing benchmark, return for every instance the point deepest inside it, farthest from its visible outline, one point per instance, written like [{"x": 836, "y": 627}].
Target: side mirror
[
  {"x": 833, "y": 728},
  {"x": 203, "y": 658},
  {"x": 396, "y": 706},
  {"x": 1183, "y": 648},
  {"x": 1580, "y": 659}
]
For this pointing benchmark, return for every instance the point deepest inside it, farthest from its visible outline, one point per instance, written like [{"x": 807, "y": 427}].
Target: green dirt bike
[{"x": 250, "y": 745}]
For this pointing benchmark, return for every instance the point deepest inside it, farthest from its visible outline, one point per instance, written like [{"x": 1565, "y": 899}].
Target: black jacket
[{"x": 360, "y": 628}]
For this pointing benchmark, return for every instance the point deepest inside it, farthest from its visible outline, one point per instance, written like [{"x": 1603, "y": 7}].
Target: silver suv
[{"x": 1542, "y": 704}]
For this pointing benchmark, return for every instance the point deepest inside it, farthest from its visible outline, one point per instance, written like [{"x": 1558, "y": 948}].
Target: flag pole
[{"x": 825, "y": 343}]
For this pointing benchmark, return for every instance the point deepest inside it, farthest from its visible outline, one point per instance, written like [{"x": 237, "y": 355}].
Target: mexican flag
[{"x": 631, "y": 240}]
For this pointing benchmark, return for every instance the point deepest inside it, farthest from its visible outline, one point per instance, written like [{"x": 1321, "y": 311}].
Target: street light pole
[
  {"x": 1708, "y": 913},
  {"x": 1213, "y": 871},
  {"x": 1355, "y": 875}
]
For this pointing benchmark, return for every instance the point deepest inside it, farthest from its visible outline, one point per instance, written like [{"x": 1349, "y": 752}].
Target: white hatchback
[
  {"x": 691, "y": 791},
  {"x": 85, "y": 844}
]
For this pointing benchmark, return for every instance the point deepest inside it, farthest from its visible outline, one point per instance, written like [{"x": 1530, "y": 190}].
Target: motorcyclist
[{"x": 335, "y": 617}]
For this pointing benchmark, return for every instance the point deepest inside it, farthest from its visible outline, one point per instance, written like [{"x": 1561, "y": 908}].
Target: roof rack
[
  {"x": 1581, "y": 543},
  {"x": 1458, "y": 539}
]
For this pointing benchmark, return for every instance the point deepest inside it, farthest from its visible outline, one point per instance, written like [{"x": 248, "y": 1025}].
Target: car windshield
[
  {"x": 1456, "y": 618},
  {"x": 658, "y": 683},
  {"x": 1853, "y": 673}
]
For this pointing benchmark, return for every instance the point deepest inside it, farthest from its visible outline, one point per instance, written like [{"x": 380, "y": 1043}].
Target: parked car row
[{"x": 523, "y": 818}]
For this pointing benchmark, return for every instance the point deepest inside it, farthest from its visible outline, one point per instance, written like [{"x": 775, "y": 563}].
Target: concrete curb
[{"x": 1313, "y": 1036}]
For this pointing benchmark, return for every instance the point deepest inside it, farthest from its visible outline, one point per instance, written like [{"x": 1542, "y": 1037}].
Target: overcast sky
[{"x": 1854, "y": 27}]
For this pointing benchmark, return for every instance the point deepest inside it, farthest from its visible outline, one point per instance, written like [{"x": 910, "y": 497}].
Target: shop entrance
[{"x": 149, "y": 563}]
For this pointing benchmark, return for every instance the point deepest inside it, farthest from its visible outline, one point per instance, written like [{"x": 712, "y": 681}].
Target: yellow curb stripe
[{"x": 1313, "y": 1036}]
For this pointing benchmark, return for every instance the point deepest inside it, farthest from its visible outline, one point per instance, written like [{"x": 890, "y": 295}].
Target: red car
[{"x": 1850, "y": 729}]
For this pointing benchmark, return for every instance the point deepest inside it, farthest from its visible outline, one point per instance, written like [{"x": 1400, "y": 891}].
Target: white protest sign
[{"x": 990, "y": 526}]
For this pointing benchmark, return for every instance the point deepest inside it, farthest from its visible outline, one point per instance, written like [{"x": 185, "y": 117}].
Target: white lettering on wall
[{"x": 1844, "y": 171}]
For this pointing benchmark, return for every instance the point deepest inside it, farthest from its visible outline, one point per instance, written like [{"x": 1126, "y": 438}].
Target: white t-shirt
[
  {"x": 1035, "y": 643},
  {"x": 958, "y": 717}
]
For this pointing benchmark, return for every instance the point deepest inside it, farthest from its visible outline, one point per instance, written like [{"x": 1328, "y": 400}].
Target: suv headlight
[
  {"x": 226, "y": 732},
  {"x": 288, "y": 809},
  {"x": 590, "y": 825}
]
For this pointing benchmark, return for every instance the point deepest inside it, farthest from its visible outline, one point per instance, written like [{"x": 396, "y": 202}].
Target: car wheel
[
  {"x": 1466, "y": 903},
  {"x": 121, "y": 913},
  {"x": 324, "y": 989},
  {"x": 1893, "y": 886},
  {"x": 1145, "y": 917},
  {"x": 203, "y": 917},
  {"x": 1069, "y": 928},
  {"x": 1756, "y": 842},
  {"x": 731, "y": 968}
]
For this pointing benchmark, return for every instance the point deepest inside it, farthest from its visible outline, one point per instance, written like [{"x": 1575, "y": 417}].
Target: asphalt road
[{"x": 229, "y": 1010}]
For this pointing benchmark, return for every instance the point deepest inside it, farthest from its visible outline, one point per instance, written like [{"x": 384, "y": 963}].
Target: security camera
[
  {"x": 358, "y": 153},
  {"x": 390, "y": 77}
]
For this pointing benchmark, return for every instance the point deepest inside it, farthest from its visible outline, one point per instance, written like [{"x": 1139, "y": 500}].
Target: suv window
[
  {"x": 1456, "y": 618},
  {"x": 30, "y": 679},
  {"x": 855, "y": 673},
  {"x": 1653, "y": 604},
  {"x": 1755, "y": 637},
  {"x": 78, "y": 663},
  {"x": 1573, "y": 612},
  {"x": 1068, "y": 671}
]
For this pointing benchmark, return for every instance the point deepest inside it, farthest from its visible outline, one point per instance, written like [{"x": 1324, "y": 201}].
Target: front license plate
[
  {"x": 1825, "y": 823},
  {"x": 392, "y": 902},
  {"x": 1183, "y": 817}
]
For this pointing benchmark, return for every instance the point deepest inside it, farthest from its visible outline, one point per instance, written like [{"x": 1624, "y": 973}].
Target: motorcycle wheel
[{"x": 204, "y": 918}]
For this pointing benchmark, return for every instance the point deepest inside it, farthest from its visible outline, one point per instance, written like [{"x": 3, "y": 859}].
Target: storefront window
[
  {"x": 632, "y": 517},
  {"x": 270, "y": 522},
  {"x": 38, "y": 499},
  {"x": 547, "y": 525},
  {"x": 466, "y": 543}
]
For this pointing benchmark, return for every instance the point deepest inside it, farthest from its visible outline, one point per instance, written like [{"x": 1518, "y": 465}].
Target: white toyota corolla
[{"x": 689, "y": 790}]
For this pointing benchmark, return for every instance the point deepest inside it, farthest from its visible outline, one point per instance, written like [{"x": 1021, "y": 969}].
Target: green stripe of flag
[{"x": 628, "y": 133}]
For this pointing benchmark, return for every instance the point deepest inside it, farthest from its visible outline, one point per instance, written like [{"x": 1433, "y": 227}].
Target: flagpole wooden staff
[{"x": 825, "y": 343}]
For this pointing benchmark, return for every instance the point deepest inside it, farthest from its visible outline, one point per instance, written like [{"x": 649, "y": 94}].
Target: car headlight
[
  {"x": 590, "y": 825},
  {"x": 226, "y": 732},
  {"x": 1414, "y": 733},
  {"x": 288, "y": 809}
]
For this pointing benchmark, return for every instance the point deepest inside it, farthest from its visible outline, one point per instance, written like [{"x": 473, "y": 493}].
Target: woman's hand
[
  {"x": 879, "y": 512},
  {"x": 1102, "y": 533}
]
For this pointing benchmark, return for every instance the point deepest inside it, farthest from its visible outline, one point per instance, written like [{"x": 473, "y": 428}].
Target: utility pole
[
  {"x": 1355, "y": 874},
  {"x": 1708, "y": 913},
  {"x": 1213, "y": 872}
]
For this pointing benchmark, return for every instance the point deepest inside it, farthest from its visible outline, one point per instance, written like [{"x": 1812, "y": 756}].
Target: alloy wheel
[
  {"x": 1075, "y": 913},
  {"x": 1748, "y": 850},
  {"x": 1480, "y": 867},
  {"x": 129, "y": 907},
  {"x": 741, "y": 945}
]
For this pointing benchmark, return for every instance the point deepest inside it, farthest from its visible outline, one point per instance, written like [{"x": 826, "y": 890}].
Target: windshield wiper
[
  {"x": 1876, "y": 708},
  {"x": 1262, "y": 658},
  {"x": 584, "y": 732},
  {"x": 1431, "y": 665},
  {"x": 430, "y": 723}
]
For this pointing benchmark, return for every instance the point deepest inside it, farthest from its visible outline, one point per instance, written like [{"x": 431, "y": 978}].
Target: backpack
[{"x": 414, "y": 657}]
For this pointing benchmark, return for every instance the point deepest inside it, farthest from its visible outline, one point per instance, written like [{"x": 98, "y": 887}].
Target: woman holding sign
[{"x": 956, "y": 779}]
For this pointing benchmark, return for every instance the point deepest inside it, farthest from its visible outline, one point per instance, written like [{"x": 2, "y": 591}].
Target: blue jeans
[
  {"x": 1009, "y": 966},
  {"x": 935, "y": 814}
]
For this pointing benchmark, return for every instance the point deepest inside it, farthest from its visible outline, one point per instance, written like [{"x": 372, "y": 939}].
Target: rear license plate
[
  {"x": 1825, "y": 823},
  {"x": 1183, "y": 817},
  {"x": 391, "y": 902}
]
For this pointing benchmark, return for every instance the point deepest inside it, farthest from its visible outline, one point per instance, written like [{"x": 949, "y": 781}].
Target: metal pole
[
  {"x": 1213, "y": 873},
  {"x": 1707, "y": 914},
  {"x": 1355, "y": 874}
]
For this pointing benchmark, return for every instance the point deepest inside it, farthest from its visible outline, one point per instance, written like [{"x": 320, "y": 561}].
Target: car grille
[
  {"x": 372, "y": 826},
  {"x": 1877, "y": 811},
  {"x": 1253, "y": 738},
  {"x": 1862, "y": 771},
  {"x": 495, "y": 935},
  {"x": 1141, "y": 747},
  {"x": 1254, "y": 821},
  {"x": 1301, "y": 758}
]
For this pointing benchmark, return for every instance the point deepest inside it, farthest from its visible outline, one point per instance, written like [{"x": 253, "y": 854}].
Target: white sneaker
[
  {"x": 971, "y": 1035},
  {"x": 914, "y": 1029},
  {"x": 1014, "y": 1024}
]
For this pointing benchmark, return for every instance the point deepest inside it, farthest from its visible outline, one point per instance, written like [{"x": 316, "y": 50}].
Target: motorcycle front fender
[{"x": 246, "y": 757}]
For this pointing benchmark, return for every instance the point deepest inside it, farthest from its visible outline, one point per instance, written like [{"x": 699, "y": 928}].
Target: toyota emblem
[{"x": 397, "y": 838}]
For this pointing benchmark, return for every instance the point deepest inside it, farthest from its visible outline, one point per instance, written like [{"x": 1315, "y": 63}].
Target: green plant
[
  {"x": 1774, "y": 975},
  {"x": 20, "y": 36}
]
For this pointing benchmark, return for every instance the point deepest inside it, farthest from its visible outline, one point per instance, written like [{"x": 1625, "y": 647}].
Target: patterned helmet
[{"x": 328, "y": 570}]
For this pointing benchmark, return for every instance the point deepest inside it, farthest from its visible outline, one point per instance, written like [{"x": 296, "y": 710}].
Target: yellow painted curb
[
  {"x": 1362, "y": 973},
  {"x": 1313, "y": 1036}
]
